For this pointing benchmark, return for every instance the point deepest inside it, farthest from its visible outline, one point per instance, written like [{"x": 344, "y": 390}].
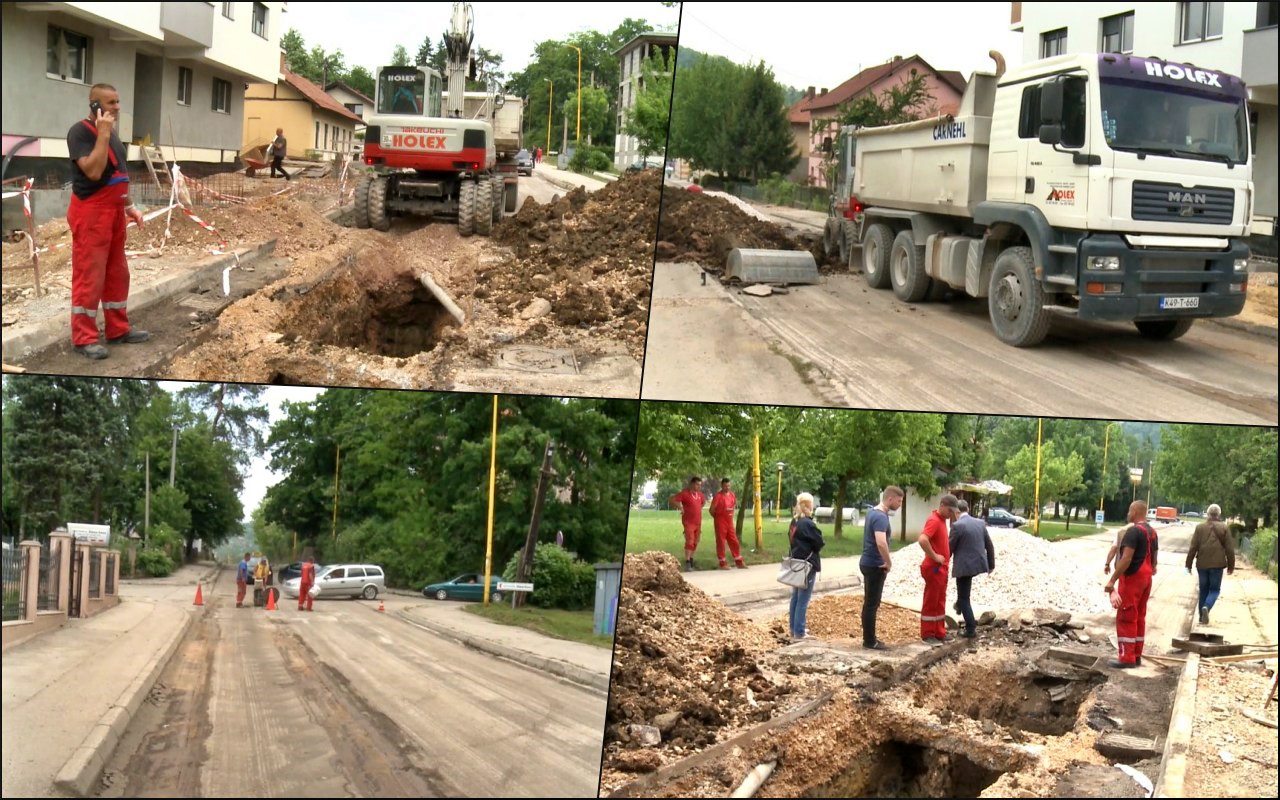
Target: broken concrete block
[
  {"x": 666, "y": 722},
  {"x": 758, "y": 290},
  {"x": 645, "y": 735},
  {"x": 538, "y": 308},
  {"x": 987, "y": 617}
]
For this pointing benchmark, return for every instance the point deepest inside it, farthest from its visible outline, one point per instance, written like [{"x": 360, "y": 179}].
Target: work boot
[
  {"x": 688, "y": 565},
  {"x": 740, "y": 564},
  {"x": 969, "y": 634},
  {"x": 878, "y": 645},
  {"x": 134, "y": 336},
  {"x": 724, "y": 565},
  {"x": 1116, "y": 663},
  {"x": 94, "y": 352},
  {"x": 1204, "y": 615}
]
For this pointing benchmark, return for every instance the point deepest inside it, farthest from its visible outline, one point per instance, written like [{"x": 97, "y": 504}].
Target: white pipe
[
  {"x": 444, "y": 298},
  {"x": 755, "y": 779}
]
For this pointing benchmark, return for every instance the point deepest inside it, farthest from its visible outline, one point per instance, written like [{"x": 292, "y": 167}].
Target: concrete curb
[
  {"x": 1173, "y": 764},
  {"x": 81, "y": 771},
  {"x": 563, "y": 184},
  {"x": 1234, "y": 324},
  {"x": 30, "y": 339},
  {"x": 561, "y": 669},
  {"x": 782, "y": 592}
]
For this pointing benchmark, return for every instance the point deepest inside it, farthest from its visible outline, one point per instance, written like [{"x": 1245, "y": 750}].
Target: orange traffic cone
[
  {"x": 199, "y": 596},
  {"x": 271, "y": 599},
  {"x": 382, "y": 606}
]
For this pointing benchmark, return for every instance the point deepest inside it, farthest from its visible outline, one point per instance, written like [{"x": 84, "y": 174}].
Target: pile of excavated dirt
[
  {"x": 590, "y": 255},
  {"x": 703, "y": 229},
  {"x": 683, "y": 663},
  {"x": 840, "y": 617},
  {"x": 1260, "y": 306}
]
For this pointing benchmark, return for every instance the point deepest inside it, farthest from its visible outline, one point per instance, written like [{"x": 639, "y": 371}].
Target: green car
[{"x": 467, "y": 586}]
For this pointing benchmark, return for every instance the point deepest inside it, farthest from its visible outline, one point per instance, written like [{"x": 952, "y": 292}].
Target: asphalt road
[
  {"x": 348, "y": 702},
  {"x": 854, "y": 346}
]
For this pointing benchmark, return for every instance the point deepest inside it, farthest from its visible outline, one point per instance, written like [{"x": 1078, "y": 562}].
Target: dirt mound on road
[
  {"x": 703, "y": 229},
  {"x": 589, "y": 254},
  {"x": 679, "y": 651}
]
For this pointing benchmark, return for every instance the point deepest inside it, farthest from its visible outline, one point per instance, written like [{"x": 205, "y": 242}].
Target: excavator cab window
[{"x": 402, "y": 90}]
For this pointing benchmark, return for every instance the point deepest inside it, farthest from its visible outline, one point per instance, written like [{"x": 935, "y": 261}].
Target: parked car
[
  {"x": 467, "y": 586},
  {"x": 294, "y": 570},
  {"x": 999, "y": 518},
  {"x": 344, "y": 580},
  {"x": 524, "y": 163},
  {"x": 1195, "y": 514},
  {"x": 1021, "y": 519}
]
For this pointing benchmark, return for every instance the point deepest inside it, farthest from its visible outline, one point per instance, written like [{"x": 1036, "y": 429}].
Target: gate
[{"x": 77, "y": 567}]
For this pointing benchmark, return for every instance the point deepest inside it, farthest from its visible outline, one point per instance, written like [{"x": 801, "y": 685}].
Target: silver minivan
[{"x": 347, "y": 580}]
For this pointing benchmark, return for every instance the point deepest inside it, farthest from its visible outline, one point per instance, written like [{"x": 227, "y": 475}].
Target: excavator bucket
[{"x": 777, "y": 267}]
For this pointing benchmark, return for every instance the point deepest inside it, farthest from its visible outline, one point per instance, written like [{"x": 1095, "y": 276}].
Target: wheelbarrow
[{"x": 255, "y": 159}]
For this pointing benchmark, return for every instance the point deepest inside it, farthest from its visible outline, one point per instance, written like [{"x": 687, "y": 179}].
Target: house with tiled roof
[
  {"x": 813, "y": 117},
  {"x": 313, "y": 121},
  {"x": 351, "y": 98}
]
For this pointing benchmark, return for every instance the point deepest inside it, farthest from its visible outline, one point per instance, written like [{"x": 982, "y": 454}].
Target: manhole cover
[
  {"x": 203, "y": 302},
  {"x": 530, "y": 358}
]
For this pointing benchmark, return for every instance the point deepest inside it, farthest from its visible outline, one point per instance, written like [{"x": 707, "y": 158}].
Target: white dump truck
[
  {"x": 1108, "y": 187},
  {"x": 506, "y": 114}
]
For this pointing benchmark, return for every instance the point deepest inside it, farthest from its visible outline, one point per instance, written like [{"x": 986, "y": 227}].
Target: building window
[
  {"x": 1117, "y": 33},
  {"x": 260, "y": 19},
  {"x": 1200, "y": 21},
  {"x": 1053, "y": 43},
  {"x": 67, "y": 55},
  {"x": 184, "y": 86},
  {"x": 317, "y": 135},
  {"x": 222, "y": 95},
  {"x": 355, "y": 108},
  {"x": 229, "y": 10}
]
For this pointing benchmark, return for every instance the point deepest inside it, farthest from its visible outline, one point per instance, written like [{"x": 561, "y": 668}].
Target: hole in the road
[
  {"x": 903, "y": 769},
  {"x": 395, "y": 316}
]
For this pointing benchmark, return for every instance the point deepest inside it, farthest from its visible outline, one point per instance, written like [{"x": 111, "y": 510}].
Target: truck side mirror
[
  {"x": 499, "y": 101},
  {"x": 1050, "y": 134},
  {"x": 1051, "y": 102}
]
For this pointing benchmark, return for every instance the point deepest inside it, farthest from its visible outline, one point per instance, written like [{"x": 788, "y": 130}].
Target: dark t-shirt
[
  {"x": 80, "y": 143},
  {"x": 1136, "y": 537},
  {"x": 877, "y": 520},
  {"x": 279, "y": 146}
]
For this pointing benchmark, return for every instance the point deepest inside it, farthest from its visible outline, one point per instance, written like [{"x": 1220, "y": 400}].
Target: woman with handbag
[{"x": 806, "y": 542}]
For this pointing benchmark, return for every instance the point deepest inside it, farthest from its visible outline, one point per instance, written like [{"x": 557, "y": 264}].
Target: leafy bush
[
  {"x": 1263, "y": 548},
  {"x": 778, "y": 190},
  {"x": 599, "y": 161},
  {"x": 559, "y": 580},
  {"x": 587, "y": 158},
  {"x": 167, "y": 541},
  {"x": 155, "y": 562}
]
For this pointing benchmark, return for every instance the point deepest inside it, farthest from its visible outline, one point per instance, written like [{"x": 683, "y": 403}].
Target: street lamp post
[
  {"x": 551, "y": 93},
  {"x": 577, "y": 137},
  {"x": 1039, "y": 440},
  {"x": 1102, "y": 481}
]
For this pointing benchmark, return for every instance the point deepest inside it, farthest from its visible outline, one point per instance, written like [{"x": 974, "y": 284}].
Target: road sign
[
  {"x": 503, "y": 586},
  {"x": 91, "y": 534},
  {"x": 1099, "y": 517}
]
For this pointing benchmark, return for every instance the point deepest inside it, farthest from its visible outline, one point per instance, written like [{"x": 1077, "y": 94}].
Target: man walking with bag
[
  {"x": 1213, "y": 550},
  {"x": 934, "y": 542},
  {"x": 279, "y": 146}
]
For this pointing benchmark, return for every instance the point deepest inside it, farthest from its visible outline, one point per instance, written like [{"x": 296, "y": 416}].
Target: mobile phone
[{"x": 94, "y": 108}]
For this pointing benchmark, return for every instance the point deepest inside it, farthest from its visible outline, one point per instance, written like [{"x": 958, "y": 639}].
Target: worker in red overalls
[
  {"x": 690, "y": 501},
  {"x": 97, "y": 217},
  {"x": 1139, "y": 553},
  {"x": 722, "y": 507},
  {"x": 936, "y": 544},
  {"x": 305, "y": 582}
]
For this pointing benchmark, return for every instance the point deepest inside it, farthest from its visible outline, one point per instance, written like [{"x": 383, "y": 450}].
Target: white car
[{"x": 344, "y": 580}]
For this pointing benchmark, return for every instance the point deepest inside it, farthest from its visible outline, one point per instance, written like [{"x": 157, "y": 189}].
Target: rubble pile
[
  {"x": 586, "y": 259},
  {"x": 703, "y": 229},
  {"x": 1028, "y": 574},
  {"x": 684, "y": 666},
  {"x": 839, "y": 616}
]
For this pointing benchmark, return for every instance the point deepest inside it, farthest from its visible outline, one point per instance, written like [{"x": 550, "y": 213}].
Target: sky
[
  {"x": 825, "y": 44},
  {"x": 259, "y": 478},
  {"x": 367, "y": 33}
]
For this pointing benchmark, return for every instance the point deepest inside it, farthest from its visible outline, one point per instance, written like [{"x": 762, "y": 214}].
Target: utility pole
[
  {"x": 525, "y": 568},
  {"x": 493, "y": 478},
  {"x": 1039, "y": 438},
  {"x": 337, "y": 468},
  {"x": 146, "y": 506},
  {"x": 755, "y": 496},
  {"x": 1151, "y": 479},
  {"x": 173, "y": 457}
]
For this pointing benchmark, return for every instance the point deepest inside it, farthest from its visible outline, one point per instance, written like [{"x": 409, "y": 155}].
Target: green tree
[
  {"x": 762, "y": 132},
  {"x": 595, "y": 112},
  {"x": 651, "y": 115},
  {"x": 1060, "y": 474},
  {"x": 361, "y": 80},
  {"x": 705, "y": 101},
  {"x": 425, "y": 52},
  {"x": 400, "y": 56},
  {"x": 1234, "y": 467},
  {"x": 296, "y": 57},
  {"x": 169, "y": 508},
  {"x": 236, "y": 415}
]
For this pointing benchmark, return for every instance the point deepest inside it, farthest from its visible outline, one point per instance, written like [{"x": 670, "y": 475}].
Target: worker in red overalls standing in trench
[
  {"x": 305, "y": 582},
  {"x": 722, "y": 507},
  {"x": 97, "y": 216},
  {"x": 1139, "y": 551}
]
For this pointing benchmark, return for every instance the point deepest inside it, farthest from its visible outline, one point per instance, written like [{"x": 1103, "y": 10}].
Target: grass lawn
[
  {"x": 661, "y": 530},
  {"x": 1056, "y": 530},
  {"x": 576, "y": 626}
]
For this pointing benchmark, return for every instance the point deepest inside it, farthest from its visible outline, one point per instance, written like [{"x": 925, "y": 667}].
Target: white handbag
[{"x": 794, "y": 572}]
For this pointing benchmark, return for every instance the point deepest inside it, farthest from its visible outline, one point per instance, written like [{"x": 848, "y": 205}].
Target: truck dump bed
[
  {"x": 936, "y": 165},
  {"x": 508, "y": 123}
]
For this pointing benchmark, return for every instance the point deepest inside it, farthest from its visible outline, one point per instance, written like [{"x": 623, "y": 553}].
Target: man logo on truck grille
[{"x": 1188, "y": 198}]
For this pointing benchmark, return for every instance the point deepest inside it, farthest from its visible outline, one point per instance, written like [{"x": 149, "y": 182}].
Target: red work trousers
[
  {"x": 725, "y": 533},
  {"x": 692, "y": 533},
  {"x": 99, "y": 272},
  {"x": 1131, "y": 617},
  {"x": 933, "y": 610},
  {"x": 304, "y": 596},
  {"x": 241, "y": 588}
]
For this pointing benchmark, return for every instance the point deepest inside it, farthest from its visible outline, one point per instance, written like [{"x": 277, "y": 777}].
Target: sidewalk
[
  {"x": 566, "y": 179},
  {"x": 69, "y": 694},
  {"x": 576, "y": 662},
  {"x": 760, "y": 583}
]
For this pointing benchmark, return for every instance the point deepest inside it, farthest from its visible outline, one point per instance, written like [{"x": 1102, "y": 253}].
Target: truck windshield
[
  {"x": 1173, "y": 122},
  {"x": 402, "y": 91}
]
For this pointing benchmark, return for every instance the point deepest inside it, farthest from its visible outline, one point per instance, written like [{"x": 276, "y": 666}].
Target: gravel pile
[{"x": 1029, "y": 574}]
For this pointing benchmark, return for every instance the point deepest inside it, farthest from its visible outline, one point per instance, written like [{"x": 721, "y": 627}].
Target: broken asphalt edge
[
  {"x": 1265, "y": 331},
  {"x": 782, "y": 592},
  {"x": 572, "y": 673},
  {"x": 31, "y": 339},
  {"x": 81, "y": 772}
]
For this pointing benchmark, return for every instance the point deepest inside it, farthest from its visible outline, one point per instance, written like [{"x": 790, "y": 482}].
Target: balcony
[
  {"x": 187, "y": 24},
  {"x": 1259, "y": 67}
]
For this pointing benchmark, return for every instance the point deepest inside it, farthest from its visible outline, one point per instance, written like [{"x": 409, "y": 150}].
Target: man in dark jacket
[
  {"x": 1213, "y": 550},
  {"x": 279, "y": 147},
  {"x": 971, "y": 554}
]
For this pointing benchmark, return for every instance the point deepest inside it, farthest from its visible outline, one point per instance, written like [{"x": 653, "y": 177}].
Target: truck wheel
[
  {"x": 362, "y": 202},
  {"x": 484, "y": 208},
  {"x": 830, "y": 237},
  {"x": 1163, "y": 329},
  {"x": 846, "y": 244},
  {"x": 498, "y": 186},
  {"x": 512, "y": 195},
  {"x": 1016, "y": 299},
  {"x": 377, "y": 203},
  {"x": 875, "y": 255},
  {"x": 906, "y": 266},
  {"x": 467, "y": 208}
]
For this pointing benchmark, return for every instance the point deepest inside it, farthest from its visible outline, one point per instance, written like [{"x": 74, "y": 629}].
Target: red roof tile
[
  {"x": 317, "y": 96},
  {"x": 868, "y": 77}
]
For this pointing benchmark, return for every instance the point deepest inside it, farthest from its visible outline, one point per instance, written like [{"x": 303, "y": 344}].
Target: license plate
[{"x": 1179, "y": 302}]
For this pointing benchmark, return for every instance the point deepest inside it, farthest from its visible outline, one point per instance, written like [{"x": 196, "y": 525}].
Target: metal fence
[
  {"x": 50, "y": 575},
  {"x": 111, "y": 573},
  {"x": 15, "y": 580},
  {"x": 812, "y": 198},
  {"x": 95, "y": 576}
]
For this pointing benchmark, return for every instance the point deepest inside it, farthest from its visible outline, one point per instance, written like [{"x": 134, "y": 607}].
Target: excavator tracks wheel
[
  {"x": 379, "y": 219},
  {"x": 362, "y": 201},
  {"x": 484, "y": 208},
  {"x": 467, "y": 208},
  {"x": 498, "y": 185}
]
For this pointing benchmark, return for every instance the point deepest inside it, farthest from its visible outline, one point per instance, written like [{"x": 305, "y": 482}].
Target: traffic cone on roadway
[
  {"x": 382, "y": 606},
  {"x": 271, "y": 599},
  {"x": 199, "y": 596}
]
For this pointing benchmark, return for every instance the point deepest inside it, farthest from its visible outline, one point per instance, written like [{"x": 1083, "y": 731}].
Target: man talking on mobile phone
[{"x": 98, "y": 215}]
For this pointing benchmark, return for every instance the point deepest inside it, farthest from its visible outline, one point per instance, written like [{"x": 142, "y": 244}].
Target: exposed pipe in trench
[
  {"x": 444, "y": 298},
  {"x": 755, "y": 779}
]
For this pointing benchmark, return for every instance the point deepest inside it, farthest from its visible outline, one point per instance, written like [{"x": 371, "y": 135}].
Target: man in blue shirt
[
  {"x": 876, "y": 562},
  {"x": 242, "y": 580}
]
